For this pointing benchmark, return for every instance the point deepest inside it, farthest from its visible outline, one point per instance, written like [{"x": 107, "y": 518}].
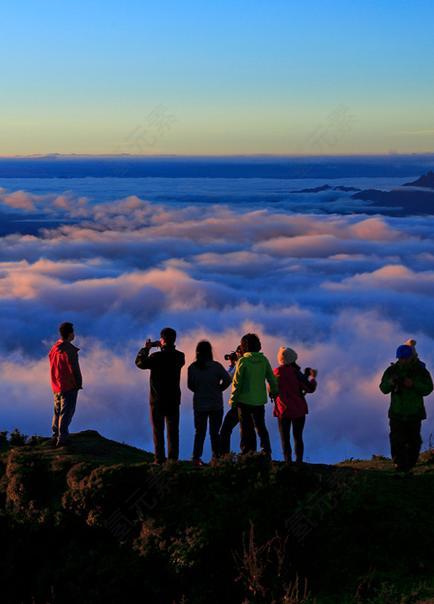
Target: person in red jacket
[
  {"x": 66, "y": 381},
  {"x": 290, "y": 404}
]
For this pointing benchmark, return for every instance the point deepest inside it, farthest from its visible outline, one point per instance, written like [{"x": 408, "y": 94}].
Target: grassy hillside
[{"x": 97, "y": 522}]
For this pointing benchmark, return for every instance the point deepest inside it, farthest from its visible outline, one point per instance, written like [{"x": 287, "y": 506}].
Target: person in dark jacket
[
  {"x": 407, "y": 381},
  {"x": 66, "y": 381},
  {"x": 290, "y": 404},
  {"x": 165, "y": 392},
  {"x": 207, "y": 379}
]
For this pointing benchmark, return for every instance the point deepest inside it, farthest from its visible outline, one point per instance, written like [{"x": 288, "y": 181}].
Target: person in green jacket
[
  {"x": 249, "y": 394},
  {"x": 407, "y": 381}
]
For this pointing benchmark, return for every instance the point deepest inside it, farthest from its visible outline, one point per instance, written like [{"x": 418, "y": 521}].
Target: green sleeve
[
  {"x": 272, "y": 380},
  {"x": 423, "y": 383}
]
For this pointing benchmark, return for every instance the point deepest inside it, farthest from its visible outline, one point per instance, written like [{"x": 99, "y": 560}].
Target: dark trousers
[
  {"x": 252, "y": 417},
  {"x": 285, "y": 437},
  {"x": 405, "y": 442},
  {"x": 200, "y": 424},
  {"x": 160, "y": 417},
  {"x": 64, "y": 409},
  {"x": 229, "y": 423}
]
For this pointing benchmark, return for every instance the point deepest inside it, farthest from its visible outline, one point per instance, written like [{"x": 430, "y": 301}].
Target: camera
[
  {"x": 154, "y": 343},
  {"x": 309, "y": 371},
  {"x": 234, "y": 355},
  {"x": 397, "y": 384}
]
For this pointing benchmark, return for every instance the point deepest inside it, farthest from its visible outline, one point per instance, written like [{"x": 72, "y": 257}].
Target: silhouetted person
[
  {"x": 407, "y": 381},
  {"x": 66, "y": 381},
  {"x": 249, "y": 393},
  {"x": 165, "y": 393},
  {"x": 290, "y": 404},
  {"x": 207, "y": 379},
  {"x": 231, "y": 418}
]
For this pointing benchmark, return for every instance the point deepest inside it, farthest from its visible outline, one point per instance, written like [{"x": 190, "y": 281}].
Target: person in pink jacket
[{"x": 290, "y": 404}]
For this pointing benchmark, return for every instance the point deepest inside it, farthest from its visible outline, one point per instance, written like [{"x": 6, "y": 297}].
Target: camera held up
[{"x": 153, "y": 343}]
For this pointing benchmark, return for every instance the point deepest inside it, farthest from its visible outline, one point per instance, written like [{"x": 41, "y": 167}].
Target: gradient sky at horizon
[{"x": 217, "y": 78}]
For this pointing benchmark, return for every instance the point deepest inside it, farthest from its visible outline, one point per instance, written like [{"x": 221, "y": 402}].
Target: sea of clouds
[{"x": 341, "y": 287}]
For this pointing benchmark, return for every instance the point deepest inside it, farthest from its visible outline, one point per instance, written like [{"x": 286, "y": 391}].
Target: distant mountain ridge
[
  {"x": 426, "y": 180},
  {"x": 326, "y": 188},
  {"x": 404, "y": 201},
  {"x": 281, "y": 167},
  {"x": 416, "y": 198}
]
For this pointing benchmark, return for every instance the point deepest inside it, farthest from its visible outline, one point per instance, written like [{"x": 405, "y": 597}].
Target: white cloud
[{"x": 343, "y": 290}]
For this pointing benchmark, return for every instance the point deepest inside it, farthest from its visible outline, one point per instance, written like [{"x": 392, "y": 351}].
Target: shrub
[{"x": 17, "y": 439}]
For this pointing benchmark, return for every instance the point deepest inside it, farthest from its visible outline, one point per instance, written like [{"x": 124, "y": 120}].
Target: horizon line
[{"x": 213, "y": 155}]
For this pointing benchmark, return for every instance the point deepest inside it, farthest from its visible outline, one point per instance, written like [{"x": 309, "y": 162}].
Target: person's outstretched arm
[
  {"x": 143, "y": 360},
  {"x": 308, "y": 384}
]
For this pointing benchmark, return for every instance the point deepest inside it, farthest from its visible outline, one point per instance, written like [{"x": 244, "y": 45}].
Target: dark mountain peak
[
  {"x": 314, "y": 189},
  {"x": 369, "y": 194},
  {"x": 426, "y": 180},
  {"x": 346, "y": 189},
  {"x": 400, "y": 201}
]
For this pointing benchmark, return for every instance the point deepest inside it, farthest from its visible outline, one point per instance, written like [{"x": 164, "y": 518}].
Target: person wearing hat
[
  {"x": 408, "y": 382},
  {"x": 290, "y": 404}
]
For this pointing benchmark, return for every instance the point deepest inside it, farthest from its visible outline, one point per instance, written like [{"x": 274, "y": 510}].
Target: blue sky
[{"x": 196, "y": 77}]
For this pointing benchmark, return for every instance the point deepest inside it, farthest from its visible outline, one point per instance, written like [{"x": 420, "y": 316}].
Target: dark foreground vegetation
[{"x": 97, "y": 522}]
